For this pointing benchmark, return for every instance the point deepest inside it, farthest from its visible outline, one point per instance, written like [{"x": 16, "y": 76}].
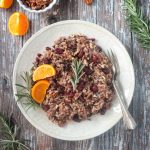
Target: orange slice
[
  {"x": 18, "y": 23},
  {"x": 39, "y": 90},
  {"x": 43, "y": 71},
  {"x": 5, "y": 3}
]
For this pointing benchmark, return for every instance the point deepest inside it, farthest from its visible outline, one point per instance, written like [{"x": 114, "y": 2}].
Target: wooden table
[{"x": 109, "y": 14}]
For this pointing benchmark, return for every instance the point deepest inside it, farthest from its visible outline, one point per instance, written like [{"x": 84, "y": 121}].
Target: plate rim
[{"x": 17, "y": 63}]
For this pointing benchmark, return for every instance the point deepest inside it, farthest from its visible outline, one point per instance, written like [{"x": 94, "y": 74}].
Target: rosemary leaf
[
  {"x": 139, "y": 24},
  {"x": 77, "y": 67},
  {"x": 19, "y": 85},
  {"x": 25, "y": 92},
  {"x": 9, "y": 130}
]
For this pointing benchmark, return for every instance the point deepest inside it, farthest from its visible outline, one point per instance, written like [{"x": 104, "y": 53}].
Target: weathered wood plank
[
  {"x": 111, "y": 17},
  {"x": 141, "y": 103}
]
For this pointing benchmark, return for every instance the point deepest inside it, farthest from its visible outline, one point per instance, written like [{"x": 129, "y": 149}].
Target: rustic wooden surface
[{"x": 109, "y": 14}]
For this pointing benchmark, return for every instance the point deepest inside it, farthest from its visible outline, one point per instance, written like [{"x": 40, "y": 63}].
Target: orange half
[
  {"x": 18, "y": 23},
  {"x": 39, "y": 90},
  {"x": 5, "y": 3}
]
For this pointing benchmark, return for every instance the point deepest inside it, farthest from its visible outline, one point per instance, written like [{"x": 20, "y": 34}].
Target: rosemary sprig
[
  {"x": 25, "y": 92},
  {"x": 8, "y": 132},
  {"x": 77, "y": 67},
  {"x": 139, "y": 24}
]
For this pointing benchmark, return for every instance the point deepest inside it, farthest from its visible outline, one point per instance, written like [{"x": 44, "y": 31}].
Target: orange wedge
[
  {"x": 43, "y": 71},
  {"x": 39, "y": 90},
  {"x": 5, "y": 3},
  {"x": 18, "y": 23}
]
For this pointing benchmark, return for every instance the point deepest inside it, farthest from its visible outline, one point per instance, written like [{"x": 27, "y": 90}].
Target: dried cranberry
[
  {"x": 98, "y": 48},
  {"x": 37, "y": 60},
  {"x": 59, "y": 51},
  {"x": 76, "y": 118},
  {"x": 81, "y": 85},
  {"x": 92, "y": 39},
  {"x": 102, "y": 111},
  {"x": 47, "y": 61},
  {"x": 55, "y": 86},
  {"x": 95, "y": 58},
  {"x": 105, "y": 70},
  {"x": 80, "y": 54},
  {"x": 58, "y": 74},
  {"x": 67, "y": 65},
  {"x": 61, "y": 89},
  {"x": 45, "y": 107},
  {"x": 54, "y": 80},
  {"x": 81, "y": 98},
  {"x": 87, "y": 70},
  {"x": 94, "y": 88},
  {"x": 71, "y": 94},
  {"x": 48, "y": 48},
  {"x": 73, "y": 47},
  {"x": 109, "y": 83},
  {"x": 106, "y": 99},
  {"x": 111, "y": 87},
  {"x": 90, "y": 78},
  {"x": 39, "y": 55}
]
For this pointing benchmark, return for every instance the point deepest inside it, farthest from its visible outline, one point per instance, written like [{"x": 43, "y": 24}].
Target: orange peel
[
  {"x": 43, "y": 71},
  {"x": 38, "y": 91}
]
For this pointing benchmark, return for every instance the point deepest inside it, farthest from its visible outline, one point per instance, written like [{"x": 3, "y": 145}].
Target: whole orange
[
  {"x": 5, "y": 3},
  {"x": 18, "y": 23}
]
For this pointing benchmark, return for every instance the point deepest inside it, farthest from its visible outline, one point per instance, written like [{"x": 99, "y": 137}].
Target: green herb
[
  {"x": 25, "y": 91},
  {"x": 77, "y": 67},
  {"x": 139, "y": 24},
  {"x": 9, "y": 132}
]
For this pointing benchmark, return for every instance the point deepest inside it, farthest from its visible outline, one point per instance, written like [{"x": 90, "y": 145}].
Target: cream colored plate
[{"x": 98, "y": 123}]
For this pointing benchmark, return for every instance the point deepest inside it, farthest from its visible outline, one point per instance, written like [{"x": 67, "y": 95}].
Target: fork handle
[{"x": 127, "y": 118}]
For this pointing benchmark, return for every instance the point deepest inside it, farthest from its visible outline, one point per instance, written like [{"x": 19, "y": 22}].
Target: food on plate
[
  {"x": 18, "y": 23},
  {"x": 5, "y": 3},
  {"x": 39, "y": 90},
  {"x": 37, "y": 5},
  {"x": 72, "y": 80}
]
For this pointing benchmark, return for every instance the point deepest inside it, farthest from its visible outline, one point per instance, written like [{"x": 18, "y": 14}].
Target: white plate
[
  {"x": 98, "y": 123},
  {"x": 37, "y": 11}
]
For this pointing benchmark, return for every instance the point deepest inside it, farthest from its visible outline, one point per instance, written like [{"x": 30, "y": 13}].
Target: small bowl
[{"x": 37, "y": 11}]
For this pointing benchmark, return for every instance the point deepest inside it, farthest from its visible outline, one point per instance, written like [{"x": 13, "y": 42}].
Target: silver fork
[{"x": 127, "y": 118}]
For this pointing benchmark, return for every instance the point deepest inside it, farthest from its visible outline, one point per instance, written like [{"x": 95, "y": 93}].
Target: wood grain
[{"x": 109, "y": 14}]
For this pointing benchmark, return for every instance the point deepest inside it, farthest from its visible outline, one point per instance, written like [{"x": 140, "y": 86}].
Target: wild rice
[{"x": 94, "y": 91}]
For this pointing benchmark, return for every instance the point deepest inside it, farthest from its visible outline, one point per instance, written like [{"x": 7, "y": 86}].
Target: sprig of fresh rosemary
[
  {"x": 139, "y": 24},
  {"x": 77, "y": 67},
  {"x": 8, "y": 132},
  {"x": 25, "y": 91}
]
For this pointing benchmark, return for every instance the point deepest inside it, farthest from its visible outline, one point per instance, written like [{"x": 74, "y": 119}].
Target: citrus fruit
[
  {"x": 5, "y": 3},
  {"x": 18, "y": 23},
  {"x": 39, "y": 90},
  {"x": 43, "y": 71}
]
